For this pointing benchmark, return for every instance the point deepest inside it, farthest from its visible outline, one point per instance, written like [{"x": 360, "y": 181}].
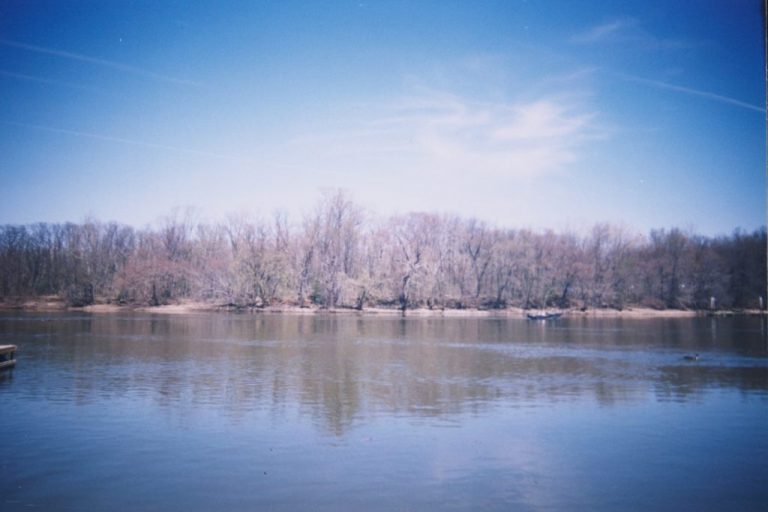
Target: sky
[{"x": 525, "y": 114}]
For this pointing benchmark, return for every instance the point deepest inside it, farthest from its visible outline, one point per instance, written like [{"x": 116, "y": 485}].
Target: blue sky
[{"x": 525, "y": 114}]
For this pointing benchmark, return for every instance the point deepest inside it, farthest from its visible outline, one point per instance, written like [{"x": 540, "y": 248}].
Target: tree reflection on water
[{"x": 342, "y": 369}]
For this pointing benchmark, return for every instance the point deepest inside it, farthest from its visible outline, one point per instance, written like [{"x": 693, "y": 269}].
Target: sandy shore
[{"x": 51, "y": 303}]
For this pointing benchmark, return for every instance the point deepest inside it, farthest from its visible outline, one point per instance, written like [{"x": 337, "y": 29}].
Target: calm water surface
[{"x": 339, "y": 412}]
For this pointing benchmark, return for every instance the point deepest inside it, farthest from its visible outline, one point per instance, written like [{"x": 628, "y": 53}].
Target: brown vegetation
[{"x": 336, "y": 258}]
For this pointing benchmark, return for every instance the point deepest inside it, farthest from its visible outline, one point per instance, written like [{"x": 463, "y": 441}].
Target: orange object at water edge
[{"x": 7, "y": 356}]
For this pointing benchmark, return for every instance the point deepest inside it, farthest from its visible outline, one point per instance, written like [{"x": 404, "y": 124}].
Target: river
[{"x": 327, "y": 412}]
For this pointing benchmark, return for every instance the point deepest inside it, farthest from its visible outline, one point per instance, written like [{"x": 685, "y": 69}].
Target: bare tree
[{"x": 338, "y": 258}]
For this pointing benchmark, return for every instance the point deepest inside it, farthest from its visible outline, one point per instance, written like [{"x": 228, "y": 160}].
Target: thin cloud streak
[
  {"x": 125, "y": 68},
  {"x": 121, "y": 140},
  {"x": 263, "y": 164},
  {"x": 47, "y": 81},
  {"x": 694, "y": 92},
  {"x": 599, "y": 32},
  {"x": 627, "y": 31}
]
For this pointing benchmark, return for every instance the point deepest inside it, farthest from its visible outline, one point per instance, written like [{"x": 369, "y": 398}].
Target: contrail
[
  {"x": 125, "y": 68},
  {"x": 152, "y": 145},
  {"x": 60, "y": 83},
  {"x": 694, "y": 92},
  {"x": 121, "y": 140}
]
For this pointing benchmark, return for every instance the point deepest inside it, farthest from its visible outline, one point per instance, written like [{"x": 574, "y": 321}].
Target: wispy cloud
[
  {"x": 693, "y": 92},
  {"x": 444, "y": 133},
  {"x": 118, "y": 66},
  {"x": 541, "y": 120},
  {"x": 628, "y": 31},
  {"x": 600, "y": 33}
]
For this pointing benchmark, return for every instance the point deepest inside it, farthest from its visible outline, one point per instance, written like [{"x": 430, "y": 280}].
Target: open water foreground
[{"x": 243, "y": 412}]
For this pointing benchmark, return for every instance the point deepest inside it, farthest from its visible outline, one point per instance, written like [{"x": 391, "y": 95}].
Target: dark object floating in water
[
  {"x": 7, "y": 353},
  {"x": 543, "y": 316},
  {"x": 689, "y": 357}
]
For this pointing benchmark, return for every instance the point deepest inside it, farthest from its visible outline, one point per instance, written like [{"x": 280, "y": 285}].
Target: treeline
[{"x": 336, "y": 257}]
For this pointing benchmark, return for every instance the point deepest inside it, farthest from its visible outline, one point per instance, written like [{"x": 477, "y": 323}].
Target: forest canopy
[{"x": 337, "y": 256}]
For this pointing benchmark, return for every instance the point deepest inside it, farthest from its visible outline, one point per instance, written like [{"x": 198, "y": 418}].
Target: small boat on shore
[
  {"x": 547, "y": 315},
  {"x": 7, "y": 356}
]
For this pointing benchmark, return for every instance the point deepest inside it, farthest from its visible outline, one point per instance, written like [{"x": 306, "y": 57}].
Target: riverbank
[{"x": 53, "y": 303}]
